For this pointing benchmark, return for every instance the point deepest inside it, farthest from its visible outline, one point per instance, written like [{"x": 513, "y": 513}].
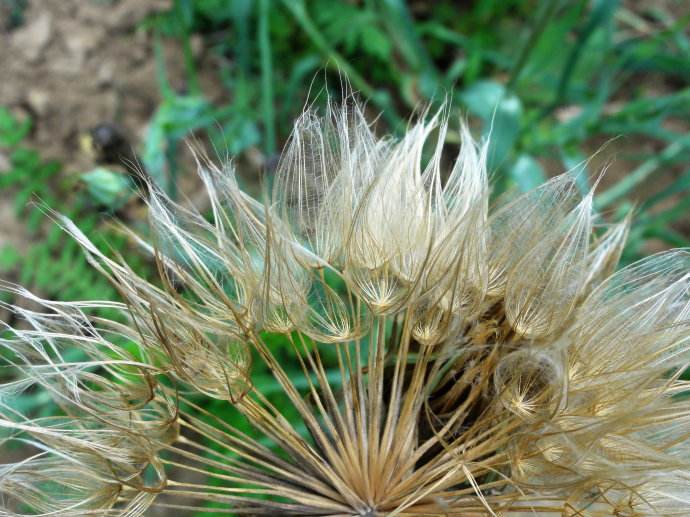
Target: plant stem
[
  {"x": 266, "y": 79},
  {"x": 173, "y": 169},
  {"x": 161, "y": 73},
  {"x": 641, "y": 173},
  {"x": 190, "y": 66},
  {"x": 403, "y": 31}
]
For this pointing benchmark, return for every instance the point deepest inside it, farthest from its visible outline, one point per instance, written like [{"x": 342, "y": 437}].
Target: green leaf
[
  {"x": 9, "y": 258},
  {"x": 482, "y": 97},
  {"x": 501, "y": 112},
  {"x": 354, "y": 28},
  {"x": 241, "y": 133},
  {"x": 504, "y": 130},
  {"x": 175, "y": 118},
  {"x": 375, "y": 42},
  {"x": 12, "y": 131},
  {"x": 402, "y": 31},
  {"x": 216, "y": 10},
  {"x": 107, "y": 187},
  {"x": 527, "y": 173}
]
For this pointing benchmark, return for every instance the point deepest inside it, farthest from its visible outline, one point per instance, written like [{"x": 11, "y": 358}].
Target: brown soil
[{"x": 74, "y": 64}]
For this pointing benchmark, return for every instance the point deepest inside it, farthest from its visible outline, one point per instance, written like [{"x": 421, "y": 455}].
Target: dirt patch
[{"x": 74, "y": 64}]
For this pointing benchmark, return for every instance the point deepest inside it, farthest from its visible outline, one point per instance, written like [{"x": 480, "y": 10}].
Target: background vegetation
[{"x": 553, "y": 82}]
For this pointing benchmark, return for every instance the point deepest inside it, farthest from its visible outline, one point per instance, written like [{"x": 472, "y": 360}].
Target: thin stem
[
  {"x": 266, "y": 78},
  {"x": 173, "y": 168},
  {"x": 641, "y": 173},
  {"x": 190, "y": 66},
  {"x": 161, "y": 73}
]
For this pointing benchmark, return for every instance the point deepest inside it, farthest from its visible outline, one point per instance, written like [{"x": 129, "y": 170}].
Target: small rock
[
  {"x": 127, "y": 13},
  {"x": 197, "y": 43},
  {"x": 66, "y": 64},
  {"x": 38, "y": 100},
  {"x": 81, "y": 42},
  {"x": 32, "y": 39},
  {"x": 105, "y": 74},
  {"x": 257, "y": 160},
  {"x": 5, "y": 164},
  {"x": 567, "y": 113}
]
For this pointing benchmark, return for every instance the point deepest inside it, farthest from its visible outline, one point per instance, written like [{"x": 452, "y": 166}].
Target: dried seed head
[{"x": 446, "y": 359}]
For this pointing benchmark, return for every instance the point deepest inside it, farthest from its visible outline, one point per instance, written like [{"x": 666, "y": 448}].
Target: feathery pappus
[{"x": 453, "y": 359}]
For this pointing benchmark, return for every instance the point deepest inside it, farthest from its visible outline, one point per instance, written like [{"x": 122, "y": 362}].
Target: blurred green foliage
[
  {"x": 51, "y": 263},
  {"x": 548, "y": 81},
  {"x": 544, "y": 79},
  {"x": 14, "y": 10}
]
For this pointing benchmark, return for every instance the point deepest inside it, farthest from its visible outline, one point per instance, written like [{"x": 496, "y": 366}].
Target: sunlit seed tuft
[{"x": 372, "y": 339}]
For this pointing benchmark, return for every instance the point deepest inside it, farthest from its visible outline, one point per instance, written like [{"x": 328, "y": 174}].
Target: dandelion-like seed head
[{"x": 452, "y": 358}]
